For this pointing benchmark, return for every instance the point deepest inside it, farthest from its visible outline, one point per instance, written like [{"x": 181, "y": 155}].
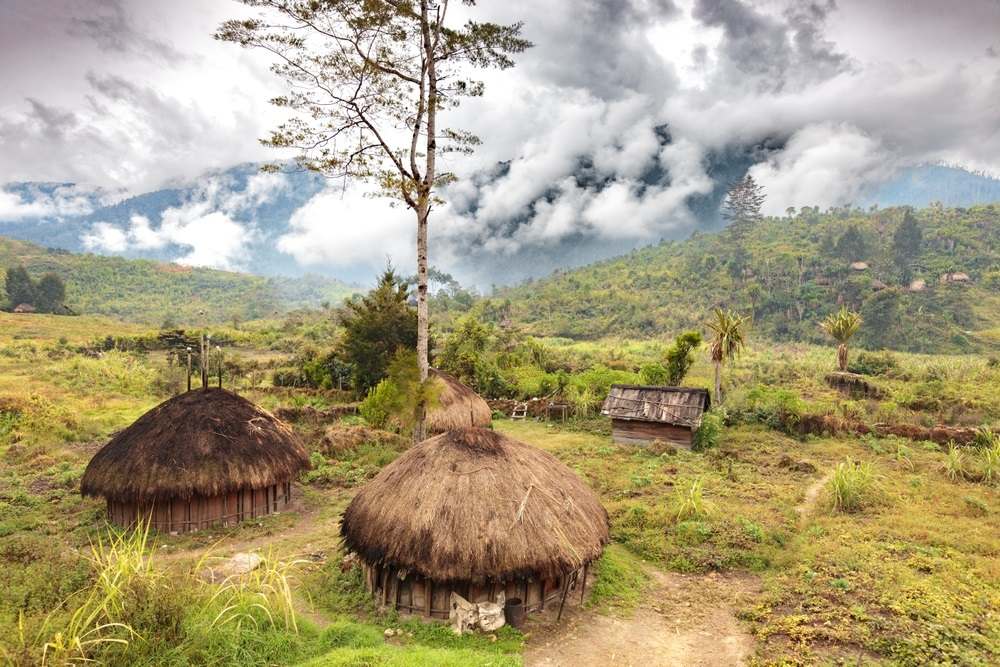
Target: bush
[
  {"x": 377, "y": 406},
  {"x": 780, "y": 409},
  {"x": 707, "y": 435},
  {"x": 853, "y": 486},
  {"x": 687, "y": 502},
  {"x": 873, "y": 363},
  {"x": 654, "y": 374}
]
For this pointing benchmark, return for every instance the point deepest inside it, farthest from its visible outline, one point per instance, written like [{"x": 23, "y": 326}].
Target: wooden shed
[
  {"x": 640, "y": 414},
  {"x": 477, "y": 513},
  {"x": 206, "y": 457}
]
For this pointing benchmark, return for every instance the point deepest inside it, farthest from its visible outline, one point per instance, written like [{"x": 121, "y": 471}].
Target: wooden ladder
[{"x": 520, "y": 411}]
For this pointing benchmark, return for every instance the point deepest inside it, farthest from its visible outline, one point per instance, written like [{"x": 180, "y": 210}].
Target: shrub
[
  {"x": 707, "y": 435},
  {"x": 954, "y": 463},
  {"x": 873, "y": 363},
  {"x": 377, "y": 406},
  {"x": 687, "y": 502},
  {"x": 680, "y": 356},
  {"x": 780, "y": 409},
  {"x": 989, "y": 464},
  {"x": 853, "y": 486},
  {"x": 654, "y": 374}
]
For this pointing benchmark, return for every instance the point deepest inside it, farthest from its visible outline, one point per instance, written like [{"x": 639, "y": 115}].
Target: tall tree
[
  {"x": 20, "y": 286},
  {"x": 728, "y": 338},
  {"x": 375, "y": 327},
  {"x": 852, "y": 246},
  {"x": 906, "y": 241},
  {"x": 680, "y": 357},
  {"x": 51, "y": 293},
  {"x": 841, "y": 326},
  {"x": 741, "y": 207},
  {"x": 367, "y": 81}
]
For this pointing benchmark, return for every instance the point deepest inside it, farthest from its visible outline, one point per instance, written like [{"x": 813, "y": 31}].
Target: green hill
[
  {"x": 789, "y": 273},
  {"x": 149, "y": 291}
]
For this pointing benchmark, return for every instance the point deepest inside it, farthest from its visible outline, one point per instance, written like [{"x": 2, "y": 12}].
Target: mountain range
[{"x": 235, "y": 218}]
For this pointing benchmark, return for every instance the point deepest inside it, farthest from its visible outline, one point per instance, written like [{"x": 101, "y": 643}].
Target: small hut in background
[
  {"x": 641, "y": 414},
  {"x": 479, "y": 514},
  {"x": 458, "y": 406},
  {"x": 203, "y": 458}
]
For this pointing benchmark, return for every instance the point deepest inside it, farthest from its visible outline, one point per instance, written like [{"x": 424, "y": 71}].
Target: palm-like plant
[
  {"x": 728, "y": 339},
  {"x": 841, "y": 326}
]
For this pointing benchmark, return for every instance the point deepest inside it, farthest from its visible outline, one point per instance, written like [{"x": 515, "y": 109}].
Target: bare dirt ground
[
  {"x": 682, "y": 620},
  {"x": 811, "y": 498}
]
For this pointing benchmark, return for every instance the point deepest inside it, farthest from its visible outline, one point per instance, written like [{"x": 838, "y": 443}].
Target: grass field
[{"x": 878, "y": 550}]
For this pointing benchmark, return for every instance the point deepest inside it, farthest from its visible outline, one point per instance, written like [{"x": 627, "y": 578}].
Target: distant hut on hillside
[
  {"x": 474, "y": 512},
  {"x": 640, "y": 414},
  {"x": 955, "y": 277},
  {"x": 458, "y": 406},
  {"x": 24, "y": 308},
  {"x": 204, "y": 457}
]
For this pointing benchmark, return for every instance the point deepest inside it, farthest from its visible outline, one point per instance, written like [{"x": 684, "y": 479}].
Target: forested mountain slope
[
  {"x": 789, "y": 273},
  {"x": 150, "y": 291}
]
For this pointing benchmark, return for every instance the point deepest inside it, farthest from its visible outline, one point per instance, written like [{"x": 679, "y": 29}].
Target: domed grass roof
[
  {"x": 472, "y": 504},
  {"x": 457, "y": 406},
  {"x": 203, "y": 442}
]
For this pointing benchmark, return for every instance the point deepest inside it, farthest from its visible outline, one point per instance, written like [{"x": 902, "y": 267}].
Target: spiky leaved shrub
[
  {"x": 688, "y": 502},
  {"x": 954, "y": 463},
  {"x": 853, "y": 487}
]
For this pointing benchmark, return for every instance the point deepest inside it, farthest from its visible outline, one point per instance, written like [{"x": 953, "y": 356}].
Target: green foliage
[
  {"x": 873, "y": 363},
  {"x": 680, "y": 357},
  {"x": 687, "y": 502},
  {"x": 654, "y": 374},
  {"x": 776, "y": 408},
  {"x": 841, "y": 326},
  {"x": 619, "y": 580},
  {"x": 667, "y": 287},
  {"x": 853, "y": 486},
  {"x": 20, "y": 287},
  {"x": 708, "y": 433},
  {"x": 377, "y": 406},
  {"x": 375, "y": 327},
  {"x": 906, "y": 241},
  {"x": 149, "y": 291}
]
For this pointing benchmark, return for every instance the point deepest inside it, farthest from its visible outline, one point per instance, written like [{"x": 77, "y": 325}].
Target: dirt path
[
  {"x": 682, "y": 620},
  {"x": 808, "y": 504}
]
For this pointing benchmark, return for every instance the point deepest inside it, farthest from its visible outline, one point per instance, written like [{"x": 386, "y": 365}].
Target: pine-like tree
[
  {"x": 50, "y": 294},
  {"x": 376, "y": 326},
  {"x": 906, "y": 243},
  {"x": 741, "y": 208},
  {"x": 20, "y": 287}
]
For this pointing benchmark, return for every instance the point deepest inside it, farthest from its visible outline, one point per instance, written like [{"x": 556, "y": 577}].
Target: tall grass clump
[
  {"x": 688, "y": 502},
  {"x": 260, "y": 597},
  {"x": 954, "y": 463},
  {"x": 854, "y": 486},
  {"x": 989, "y": 464}
]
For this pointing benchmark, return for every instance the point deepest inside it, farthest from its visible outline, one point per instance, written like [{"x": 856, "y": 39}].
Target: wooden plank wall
[
  {"x": 628, "y": 431},
  {"x": 199, "y": 512}
]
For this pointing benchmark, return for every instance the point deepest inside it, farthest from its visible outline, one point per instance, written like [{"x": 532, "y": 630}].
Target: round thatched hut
[
  {"x": 202, "y": 458},
  {"x": 457, "y": 406},
  {"x": 474, "y": 512}
]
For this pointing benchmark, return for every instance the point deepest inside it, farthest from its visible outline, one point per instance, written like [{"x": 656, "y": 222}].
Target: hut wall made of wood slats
[
  {"x": 634, "y": 432},
  {"x": 199, "y": 512},
  {"x": 411, "y": 594}
]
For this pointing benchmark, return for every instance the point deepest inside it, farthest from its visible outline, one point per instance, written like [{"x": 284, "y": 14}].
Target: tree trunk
[
  {"x": 842, "y": 357},
  {"x": 423, "y": 336},
  {"x": 718, "y": 383}
]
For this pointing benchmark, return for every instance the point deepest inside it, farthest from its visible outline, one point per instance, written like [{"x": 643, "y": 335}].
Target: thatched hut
[
  {"x": 202, "y": 458},
  {"x": 474, "y": 512},
  {"x": 457, "y": 406},
  {"x": 641, "y": 414}
]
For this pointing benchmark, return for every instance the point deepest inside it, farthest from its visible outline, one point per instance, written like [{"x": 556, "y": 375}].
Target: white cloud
[
  {"x": 106, "y": 237},
  {"x": 348, "y": 230},
  {"x": 822, "y": 165},
  {"x": 62, "y": 201}
]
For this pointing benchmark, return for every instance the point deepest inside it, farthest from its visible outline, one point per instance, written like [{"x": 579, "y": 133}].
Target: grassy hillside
[
  {"x": 149, "y": 291},
  {"x": 789, "y": 273}
]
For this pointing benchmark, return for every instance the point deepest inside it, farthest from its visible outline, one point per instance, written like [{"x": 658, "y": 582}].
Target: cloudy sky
[{"x": 824, "y": 98}]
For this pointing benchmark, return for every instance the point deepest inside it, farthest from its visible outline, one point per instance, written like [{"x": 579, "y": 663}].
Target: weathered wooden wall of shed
[{"x": 628, "y": 431}]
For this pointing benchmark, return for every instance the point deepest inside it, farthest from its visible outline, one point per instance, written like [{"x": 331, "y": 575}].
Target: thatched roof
[
  {"x": 458, "y": 406},
  {"x": 203, "y": 442},
  {"x": 681, "y": 406},
  {"x": 473, "y": 504}
]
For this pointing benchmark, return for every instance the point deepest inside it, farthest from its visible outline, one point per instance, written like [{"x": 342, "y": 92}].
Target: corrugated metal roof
[{"x": 682, "y": 406}]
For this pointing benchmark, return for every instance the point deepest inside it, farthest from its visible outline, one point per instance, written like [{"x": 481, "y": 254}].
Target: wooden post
[
  {"x": 562, "y": 601},
  {"x": 583, "y": 586},
  {"x": 189, "y": 368},
  {"x": 428, "y": 596}
]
